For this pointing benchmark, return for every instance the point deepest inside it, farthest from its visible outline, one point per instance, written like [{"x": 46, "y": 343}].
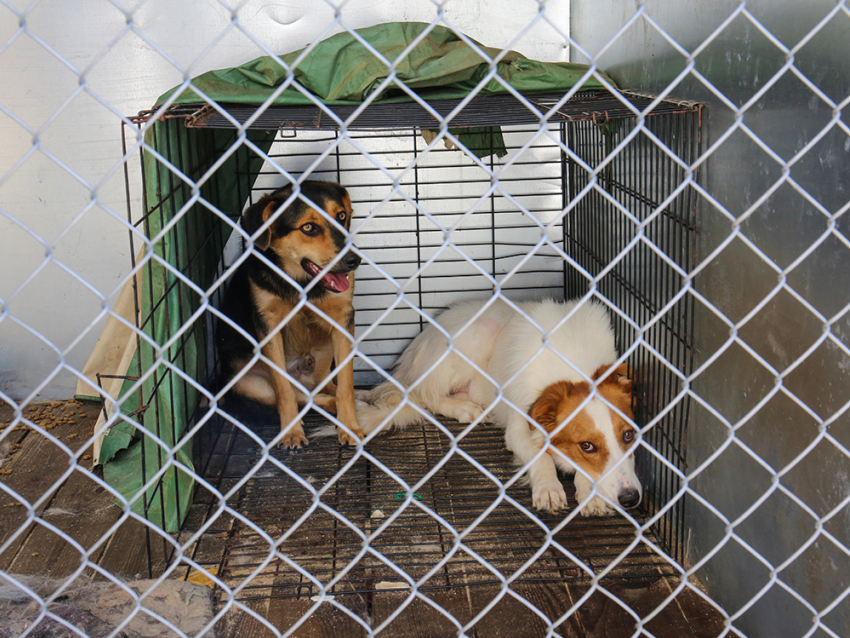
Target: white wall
[{"x": 62, "y": 199}]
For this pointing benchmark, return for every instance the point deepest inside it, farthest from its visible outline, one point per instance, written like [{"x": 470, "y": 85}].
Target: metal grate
[
  {"x": 641, "y": 283},
  {"x": 453, "y": 499},
  {"x": 495, "y": 110}
]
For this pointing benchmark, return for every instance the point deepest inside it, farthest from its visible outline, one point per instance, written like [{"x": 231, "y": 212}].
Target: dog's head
[
  {"x": 303, "y": 240},
  {"x": 596, "y": 437}
]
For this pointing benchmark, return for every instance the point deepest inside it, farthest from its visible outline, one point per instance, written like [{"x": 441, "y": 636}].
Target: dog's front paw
[
  {"x": 353, "y": 438},
  {"x": 597, "y": 507},
  {"x": 294, "y": 438},
  {"x": 461, "y": 410},
  {"x": 466, "y": 412},
  {"x": 549, "y": 497}
]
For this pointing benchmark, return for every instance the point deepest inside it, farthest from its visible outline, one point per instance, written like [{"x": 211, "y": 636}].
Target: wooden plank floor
[
  {"x": 321, "y": 544},
  {"x": 279, "y": 583},
  {"x": 36, "y": 469}
]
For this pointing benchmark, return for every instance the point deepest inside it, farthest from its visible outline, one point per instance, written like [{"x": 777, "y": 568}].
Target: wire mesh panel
[
  {"x": 622, "y": 248},
  {"x": 541, "y": 234},
  {"x": 186, "y": 255},
  {"x": 474, "y": 172}
]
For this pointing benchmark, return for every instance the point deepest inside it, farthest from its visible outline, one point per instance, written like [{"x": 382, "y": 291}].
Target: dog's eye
[
  {"x": 628, "y": 436},
  {"x": 310, "y": 229},
  {"x": 587, "y": 446},
  {"x": 341, "y": 216}
]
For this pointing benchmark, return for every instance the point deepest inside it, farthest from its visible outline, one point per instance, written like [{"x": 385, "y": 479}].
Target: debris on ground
[{"x": 98, "y": 608}]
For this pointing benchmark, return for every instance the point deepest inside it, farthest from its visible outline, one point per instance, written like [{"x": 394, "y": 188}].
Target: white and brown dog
[{"x": 553, "y": 363}]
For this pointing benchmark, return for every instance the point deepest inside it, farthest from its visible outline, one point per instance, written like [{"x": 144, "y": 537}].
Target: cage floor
[{"x": 458, "y": 540}]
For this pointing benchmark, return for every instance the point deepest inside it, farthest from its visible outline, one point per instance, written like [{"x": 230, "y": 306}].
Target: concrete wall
[
  {"x": 62, "y": 200},
  {"x": 775, "y": 460}
]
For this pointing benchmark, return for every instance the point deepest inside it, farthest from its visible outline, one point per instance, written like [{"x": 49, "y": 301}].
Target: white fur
[{"x": 508, "y": 349}]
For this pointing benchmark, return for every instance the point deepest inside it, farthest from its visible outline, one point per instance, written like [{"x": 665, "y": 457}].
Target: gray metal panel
[{"x": 740, "y": 61}]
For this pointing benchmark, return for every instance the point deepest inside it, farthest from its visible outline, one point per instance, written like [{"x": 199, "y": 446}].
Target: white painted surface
[{"x": 64, "y": 202}]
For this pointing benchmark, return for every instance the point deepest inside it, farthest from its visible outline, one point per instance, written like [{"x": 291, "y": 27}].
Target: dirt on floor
[
  {"x": 46, "y": 470},
  {"x": 98, "y": 608}
]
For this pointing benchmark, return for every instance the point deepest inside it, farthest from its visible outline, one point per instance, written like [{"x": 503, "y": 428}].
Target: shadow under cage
[{"x": 587, "y": 201}]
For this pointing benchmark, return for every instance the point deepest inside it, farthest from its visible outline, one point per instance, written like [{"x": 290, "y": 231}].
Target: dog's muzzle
[{"x": 337, "y": 279}]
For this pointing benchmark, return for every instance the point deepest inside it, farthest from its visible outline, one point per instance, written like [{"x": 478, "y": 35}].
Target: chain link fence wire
[{"x": 725, "y": 290}]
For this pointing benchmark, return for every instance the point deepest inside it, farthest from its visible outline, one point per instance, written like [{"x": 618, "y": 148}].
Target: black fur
[{"x": 238, "y": 304}]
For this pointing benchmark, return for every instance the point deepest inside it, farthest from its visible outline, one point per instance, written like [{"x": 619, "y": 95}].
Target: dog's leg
[
  {"x": 287, "y": 404},
  {"x": 596, "y": 506},
  {"x": 322, "y": 375},
  {"x": 547, "y": 493},
  {"x": 346, "y": 410},
  {"x": 460, "y": 410},
  {"x": 325, "y": 401}
]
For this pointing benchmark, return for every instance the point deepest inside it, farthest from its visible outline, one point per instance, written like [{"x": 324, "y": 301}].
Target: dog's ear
[
  {"x": 259, "y": 213},
  {"x": 621, "y": 377},
  {"x": 545, "y": 410},
  {"x": 617, "y": 387}
]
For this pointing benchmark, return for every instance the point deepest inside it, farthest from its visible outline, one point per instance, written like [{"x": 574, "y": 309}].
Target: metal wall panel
[{"x": 761, "y": 455}]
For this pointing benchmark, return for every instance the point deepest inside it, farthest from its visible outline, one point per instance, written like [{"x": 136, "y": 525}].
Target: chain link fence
[{"x": 692, "y": 180}]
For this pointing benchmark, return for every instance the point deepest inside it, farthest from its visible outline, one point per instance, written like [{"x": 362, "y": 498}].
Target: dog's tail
[
  {"x": 380, "y": 408},
  {"x": 377, "y": 409}
]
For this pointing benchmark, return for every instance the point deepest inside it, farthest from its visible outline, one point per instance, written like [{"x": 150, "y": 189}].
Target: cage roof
[{"x": 598, "y": 106}]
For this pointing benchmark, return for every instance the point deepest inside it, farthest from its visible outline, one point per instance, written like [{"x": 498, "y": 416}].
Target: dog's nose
[
  {"x": 629, "y": 498},
  {"x": 351, "y": 260}
]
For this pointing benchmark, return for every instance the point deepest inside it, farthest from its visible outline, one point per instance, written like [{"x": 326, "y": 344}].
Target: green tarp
[
  {"x": 339, "y": 70},
  {"x": 192, "y": 247},
  {"x": 342, "y": 70}
]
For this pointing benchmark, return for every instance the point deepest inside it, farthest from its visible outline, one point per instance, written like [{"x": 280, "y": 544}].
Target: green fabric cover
[
  {"x": 342, "y": 70},
  {"x": 339, "y": 70},
  {"x": 192, "y": 247}
]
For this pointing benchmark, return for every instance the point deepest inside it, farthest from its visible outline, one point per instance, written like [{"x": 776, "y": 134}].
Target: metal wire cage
[
  {"x": 562, "y": 219},
  {"x": 159, "y": 396}
]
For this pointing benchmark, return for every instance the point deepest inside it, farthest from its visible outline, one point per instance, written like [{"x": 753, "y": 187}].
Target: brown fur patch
[
  {"x": 559, "y": 403},
  {"x": 621, "y": 376},
  {"x": 306, "y": 332}
]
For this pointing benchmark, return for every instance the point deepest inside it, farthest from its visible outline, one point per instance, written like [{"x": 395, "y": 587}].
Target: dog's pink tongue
[{"x": 335, "y": 281}]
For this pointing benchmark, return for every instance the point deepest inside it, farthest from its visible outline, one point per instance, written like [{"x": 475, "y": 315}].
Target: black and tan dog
[{"x": 300, "y": 242}]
